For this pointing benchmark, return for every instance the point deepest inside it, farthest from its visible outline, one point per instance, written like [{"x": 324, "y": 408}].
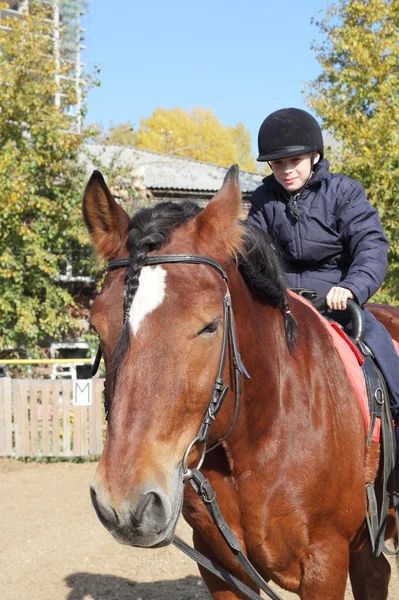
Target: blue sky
[{"x": 241, "y": 59}]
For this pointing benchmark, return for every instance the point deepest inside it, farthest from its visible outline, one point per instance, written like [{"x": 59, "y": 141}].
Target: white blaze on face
[{"x": 150, "y": 294}]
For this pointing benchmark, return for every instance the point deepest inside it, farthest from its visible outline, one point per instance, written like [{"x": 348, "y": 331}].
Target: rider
[{"x": 330, "y": 235}]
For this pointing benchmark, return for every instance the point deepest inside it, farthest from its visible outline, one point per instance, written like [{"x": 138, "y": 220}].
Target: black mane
[{"x": 259, "y": 263}]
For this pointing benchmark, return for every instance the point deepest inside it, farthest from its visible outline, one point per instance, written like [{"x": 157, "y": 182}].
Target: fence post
[
  {"x": 46, "y": 407},
  {"x": 34, "y": 434},
  {"x": 66, "y": 418},
  {"x": 6, "y": 445}
]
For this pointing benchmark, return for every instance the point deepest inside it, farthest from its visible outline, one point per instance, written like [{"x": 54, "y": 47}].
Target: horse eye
[{"x": 211, "y": 328}]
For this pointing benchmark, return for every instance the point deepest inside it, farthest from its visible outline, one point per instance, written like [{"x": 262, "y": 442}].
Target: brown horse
[
  {"x": 290, "y": 477},
  {"x": 389, "y": 317}
]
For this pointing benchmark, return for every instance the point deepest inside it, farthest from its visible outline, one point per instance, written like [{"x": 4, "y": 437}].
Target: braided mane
[
  {"x": 260, "y": 262},
  {"x": 149, "y": 230}
]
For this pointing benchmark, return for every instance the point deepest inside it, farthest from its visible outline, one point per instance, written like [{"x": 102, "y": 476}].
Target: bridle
[
  {"x": 197, "y": 480},
  {"x": 229, "y": 338}
]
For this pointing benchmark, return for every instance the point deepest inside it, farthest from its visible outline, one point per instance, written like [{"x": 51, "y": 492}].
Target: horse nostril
[
  {"x": 93, "y": 495},
  {"x": 105, "y": 512},
  {"x": 136, "y": 517},
  {"x": 153, "y": 509}
]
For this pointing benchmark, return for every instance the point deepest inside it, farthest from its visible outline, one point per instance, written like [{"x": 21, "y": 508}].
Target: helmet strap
[
  {"x": 298, "y": 193},
  {"x": 312, "y": 157}
]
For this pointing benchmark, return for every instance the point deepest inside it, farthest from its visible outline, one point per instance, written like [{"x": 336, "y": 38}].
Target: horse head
[{"x": 161, "y": 330}]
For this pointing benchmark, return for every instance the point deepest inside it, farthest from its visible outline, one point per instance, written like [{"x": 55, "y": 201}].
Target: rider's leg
[{"x": 380, "y": 342}]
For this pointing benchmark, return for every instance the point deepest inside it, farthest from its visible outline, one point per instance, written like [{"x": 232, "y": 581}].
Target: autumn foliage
[
  {"x": 357, "y": 98},
  {"x": 40, "y": 187},
  {"x": 196, "y": 134}
]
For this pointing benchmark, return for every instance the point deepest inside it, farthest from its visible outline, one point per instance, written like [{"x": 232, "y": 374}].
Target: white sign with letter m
[{"x": 82, "y": 392}]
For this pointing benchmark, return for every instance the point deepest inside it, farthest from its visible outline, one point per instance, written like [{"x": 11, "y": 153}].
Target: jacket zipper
[{"x": 297, "y": 236}]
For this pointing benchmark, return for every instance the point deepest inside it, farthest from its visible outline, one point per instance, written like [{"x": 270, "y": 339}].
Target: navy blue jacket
[{"x": 329, "y": 235}]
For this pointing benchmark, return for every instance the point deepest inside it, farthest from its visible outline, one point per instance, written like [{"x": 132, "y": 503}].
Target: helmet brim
[{"x": 285, "y": 153}]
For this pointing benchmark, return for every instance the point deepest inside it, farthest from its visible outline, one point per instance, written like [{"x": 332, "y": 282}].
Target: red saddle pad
[{"x": 352, "y": 360}]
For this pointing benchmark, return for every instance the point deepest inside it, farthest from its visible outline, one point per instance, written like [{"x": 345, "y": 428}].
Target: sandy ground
[{"x": 52, "y": 546}]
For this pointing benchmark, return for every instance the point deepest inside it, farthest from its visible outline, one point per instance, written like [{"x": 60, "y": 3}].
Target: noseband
[{"x": 229, "y": 336}]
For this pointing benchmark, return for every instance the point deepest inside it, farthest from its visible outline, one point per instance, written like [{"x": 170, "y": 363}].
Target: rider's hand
[{"x": 337, "y": 297}]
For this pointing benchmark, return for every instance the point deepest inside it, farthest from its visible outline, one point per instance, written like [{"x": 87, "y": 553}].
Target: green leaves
[
  {"x": 40, "y": 187},
  {"x": 357, "y": 98}
]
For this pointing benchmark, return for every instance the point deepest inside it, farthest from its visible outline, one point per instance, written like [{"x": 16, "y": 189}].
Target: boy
[{"x": 330, "y": 236}]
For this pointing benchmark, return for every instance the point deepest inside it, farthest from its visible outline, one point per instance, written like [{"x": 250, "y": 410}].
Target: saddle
[{"x": 380, "y": 419}]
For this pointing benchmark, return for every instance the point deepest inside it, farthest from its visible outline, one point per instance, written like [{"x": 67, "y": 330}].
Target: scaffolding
[{"x": 68, "y": 43}]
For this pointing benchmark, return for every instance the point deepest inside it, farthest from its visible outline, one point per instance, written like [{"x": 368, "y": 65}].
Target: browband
[{"x": 196, "y": 259}]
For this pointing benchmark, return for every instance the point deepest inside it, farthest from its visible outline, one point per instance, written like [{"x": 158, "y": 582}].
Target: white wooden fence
[{"x": 38, "y": 418}]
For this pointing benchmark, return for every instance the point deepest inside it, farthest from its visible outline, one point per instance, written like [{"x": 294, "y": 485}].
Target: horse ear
[
  {"x": 106, "y": 221},
  {"x": 219, "y": 221}
]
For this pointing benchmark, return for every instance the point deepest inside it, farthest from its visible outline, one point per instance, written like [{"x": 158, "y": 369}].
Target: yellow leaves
[
  {"x": 6, "y": 274},
  {"x": 14, "y": 197},
  {"x": 195, "y": 134}
]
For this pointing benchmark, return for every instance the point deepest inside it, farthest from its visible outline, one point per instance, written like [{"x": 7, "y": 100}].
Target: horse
[
  {"x": 290, "y": 475},
  {"x": 388, "y": 315}
]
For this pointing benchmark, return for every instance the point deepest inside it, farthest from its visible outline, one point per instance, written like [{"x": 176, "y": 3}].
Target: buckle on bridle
[{"x": 187, "y": 473}]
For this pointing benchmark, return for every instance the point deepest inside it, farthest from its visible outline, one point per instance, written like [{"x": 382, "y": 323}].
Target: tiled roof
[{"x": 166, "y": 172}]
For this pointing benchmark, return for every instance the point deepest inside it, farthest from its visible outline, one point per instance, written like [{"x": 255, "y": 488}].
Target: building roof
[{"x": 165, "y": 172}]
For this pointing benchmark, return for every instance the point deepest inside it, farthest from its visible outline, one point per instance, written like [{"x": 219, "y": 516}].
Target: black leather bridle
[
  {"x": 197, "y": 480},
  {"x": 229, "y": 337}
]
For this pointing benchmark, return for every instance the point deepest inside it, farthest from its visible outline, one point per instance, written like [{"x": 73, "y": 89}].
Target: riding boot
[{"x": 380, "y": 342}]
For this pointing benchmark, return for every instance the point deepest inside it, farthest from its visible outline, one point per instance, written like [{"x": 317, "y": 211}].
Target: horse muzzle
[{"x": 148, "y": 521}]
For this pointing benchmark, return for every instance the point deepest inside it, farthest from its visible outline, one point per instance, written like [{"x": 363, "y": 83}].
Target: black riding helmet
[{"x": 289, "y": 132}]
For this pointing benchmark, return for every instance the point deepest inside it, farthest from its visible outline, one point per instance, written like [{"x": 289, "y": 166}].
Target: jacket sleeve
[
  {"x": 256, "y": 215},
  {"x": 361, "y": 230}
]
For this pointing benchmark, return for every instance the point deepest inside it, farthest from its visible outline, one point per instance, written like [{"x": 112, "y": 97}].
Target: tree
[
  {"x": 121, "y": 134},
  {"x": 197, "y": 134},
  {"x": 357, "y": 98},
  {"x": 242, "y": 141},
  {"x": 40, "y": 186}
]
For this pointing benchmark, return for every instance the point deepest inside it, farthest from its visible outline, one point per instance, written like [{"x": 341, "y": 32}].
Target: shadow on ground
[{"x": 108, "y": 587}]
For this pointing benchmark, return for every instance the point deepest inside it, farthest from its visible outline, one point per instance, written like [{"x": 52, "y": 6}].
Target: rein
[{"x": 198, "y": 482}]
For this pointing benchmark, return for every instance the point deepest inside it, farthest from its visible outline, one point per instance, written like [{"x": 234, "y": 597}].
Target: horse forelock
[{"x": 149, "y": 229}]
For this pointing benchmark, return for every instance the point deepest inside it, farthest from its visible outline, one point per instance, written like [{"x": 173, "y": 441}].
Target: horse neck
[{"x": 264, "y": 351}]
